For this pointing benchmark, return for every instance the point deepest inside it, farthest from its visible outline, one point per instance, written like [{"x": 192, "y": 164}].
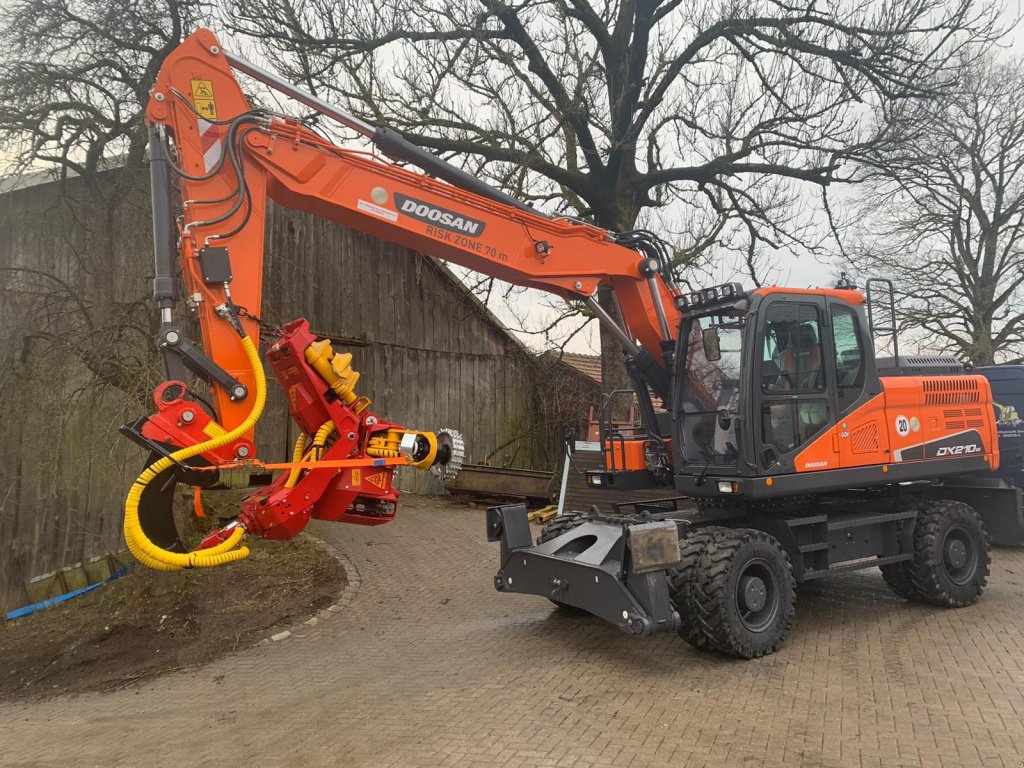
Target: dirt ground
[{"x": 147, "y": 624}]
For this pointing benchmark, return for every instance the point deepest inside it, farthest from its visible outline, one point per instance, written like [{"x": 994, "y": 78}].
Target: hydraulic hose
[
  {"x": 297, "y": 452},
  {"x": 153, "y": 556},
  {"x": 320, "y": 440}
]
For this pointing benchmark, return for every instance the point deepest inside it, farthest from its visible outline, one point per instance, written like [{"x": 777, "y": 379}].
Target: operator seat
[
  {"x": 801, "y": 362},
  {"x": 791, "y": 424}
]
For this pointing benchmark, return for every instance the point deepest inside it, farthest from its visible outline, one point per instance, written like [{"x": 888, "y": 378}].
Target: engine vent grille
[
  {"x": 951, "y": 390},
  {"x": 865, "y": 439},
  {"x": 927, "y": 360}
]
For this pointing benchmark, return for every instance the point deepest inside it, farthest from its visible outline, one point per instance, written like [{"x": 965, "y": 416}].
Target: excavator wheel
[
  {"x": 554, "y": 527},
  {"x": 681, "y": 582},
  {"x": 744, "y": 593},
  {"x": 951, "y": 555},
  {"x": 897, "y": 577}
]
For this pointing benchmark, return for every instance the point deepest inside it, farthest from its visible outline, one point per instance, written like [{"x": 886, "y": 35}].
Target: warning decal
[
  {"x": 356, "y": 477},
  {"x": 380, "y": 479},
  {"x": 209, "y": 142},
  {"x": 202, "y": 99}
]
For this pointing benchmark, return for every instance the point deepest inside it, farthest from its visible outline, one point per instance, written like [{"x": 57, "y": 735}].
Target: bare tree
[
  {"x": 76, "y": 75},
  {"x": 947, "y": 215},
  {"x": 610, "y": 110},
  {"x": 74, "y": 79}
]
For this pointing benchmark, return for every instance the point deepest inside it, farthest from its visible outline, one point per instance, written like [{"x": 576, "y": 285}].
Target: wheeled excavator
[{"x": 786, "y": 450}]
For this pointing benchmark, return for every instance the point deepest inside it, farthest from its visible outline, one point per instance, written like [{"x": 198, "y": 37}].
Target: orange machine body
[
  {"x": 915, "y": 418},
  {"x": 903, "y": 419}
]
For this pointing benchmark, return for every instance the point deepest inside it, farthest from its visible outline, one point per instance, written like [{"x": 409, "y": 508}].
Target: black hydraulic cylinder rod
[
  {"x": 165, "y": 284},
  {"x": 640, "y": 358},
  {"x": 389, "y": 141},
  {"x": 165, "y": 281},
  {"x": 397, "y": 147}
]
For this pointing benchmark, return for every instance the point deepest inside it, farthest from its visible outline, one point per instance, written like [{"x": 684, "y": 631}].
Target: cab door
[
  {"x": 795, "y": 400},
  {"x": 860, "y": 433}
]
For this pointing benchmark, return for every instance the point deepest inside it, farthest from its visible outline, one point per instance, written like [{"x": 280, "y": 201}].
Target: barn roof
[{"x": 588, "y": 365}]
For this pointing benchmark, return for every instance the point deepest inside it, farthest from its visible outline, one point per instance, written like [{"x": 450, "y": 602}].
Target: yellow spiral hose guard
[
  {"x": 153, "y": 556},
  {"x": 297, "y": 452}
]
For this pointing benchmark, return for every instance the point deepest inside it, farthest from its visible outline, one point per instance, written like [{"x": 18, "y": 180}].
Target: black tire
[
  {"x": 559, "y": 524},
  {"x": 745, "y": 593},
  {"x": 951, "y": 555},
  {"x": 681, "y": 582},
  {"x": 897, "y": 577},
  {"x": 556, "y": 526}
]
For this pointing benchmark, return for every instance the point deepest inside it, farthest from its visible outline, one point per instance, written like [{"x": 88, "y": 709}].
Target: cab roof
[{"x": 849, "y": 295}]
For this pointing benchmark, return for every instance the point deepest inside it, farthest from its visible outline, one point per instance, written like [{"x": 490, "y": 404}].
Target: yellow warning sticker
[
  {"x": 202, "y": 98},
  {"x": 202, "y": 89},
  {"x": 380, "y": 480},
  {"x": 356, "y": 477},
  {"x": 213, "y": 429}
]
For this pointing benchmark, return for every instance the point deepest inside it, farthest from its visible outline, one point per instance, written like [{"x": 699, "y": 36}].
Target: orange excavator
[{"x": 787, "y": 450}]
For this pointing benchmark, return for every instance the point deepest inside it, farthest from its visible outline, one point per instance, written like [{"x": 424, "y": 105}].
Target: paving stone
[{"x": 422, "y": 663}]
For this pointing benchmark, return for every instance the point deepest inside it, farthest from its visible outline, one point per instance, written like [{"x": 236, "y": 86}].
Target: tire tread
[
  {"x": 927, "y": 563},
  {"x": 711, "y": 593},
  {"x": 682, "y": 583}
]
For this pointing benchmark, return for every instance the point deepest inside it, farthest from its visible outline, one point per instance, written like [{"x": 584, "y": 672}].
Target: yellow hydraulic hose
[
  {"x": 300, "y": 454},
  {"x": 385, "y": 446},
  {"x": 153, "y": 556},
  {"x": 300, "y": 447},
  {"x": 325, "y": 431}
]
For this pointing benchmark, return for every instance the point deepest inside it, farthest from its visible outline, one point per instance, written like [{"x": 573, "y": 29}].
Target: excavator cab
[
  {"x": 759, "y": 378},
  {"x": 777, "y": 393}
]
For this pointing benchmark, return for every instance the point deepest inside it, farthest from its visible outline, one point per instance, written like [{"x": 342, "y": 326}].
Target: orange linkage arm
[{"x": 302, "y": 170}]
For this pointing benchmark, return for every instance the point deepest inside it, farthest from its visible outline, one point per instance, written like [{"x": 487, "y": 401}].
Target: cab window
[
  {"x": 791, "y": 360},
  {"x": 794, "y": 409},
  {"x": 849, "y": 355}
]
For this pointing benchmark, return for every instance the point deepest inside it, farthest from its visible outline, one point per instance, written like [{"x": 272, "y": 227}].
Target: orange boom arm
[{"x": 196, "y": 97}]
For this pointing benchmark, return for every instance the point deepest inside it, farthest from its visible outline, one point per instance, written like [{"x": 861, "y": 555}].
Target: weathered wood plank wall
[{"x": 429, "y": 356}]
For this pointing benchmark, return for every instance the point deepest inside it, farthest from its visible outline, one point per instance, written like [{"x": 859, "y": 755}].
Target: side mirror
[{"x": 712, "y": 345}]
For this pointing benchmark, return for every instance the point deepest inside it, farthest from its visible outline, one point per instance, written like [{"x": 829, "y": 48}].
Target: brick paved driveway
[{"x": 426, "y": 665}]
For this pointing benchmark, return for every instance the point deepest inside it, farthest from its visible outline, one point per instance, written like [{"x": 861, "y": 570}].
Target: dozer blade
[{"x": 613, "y": 570}]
